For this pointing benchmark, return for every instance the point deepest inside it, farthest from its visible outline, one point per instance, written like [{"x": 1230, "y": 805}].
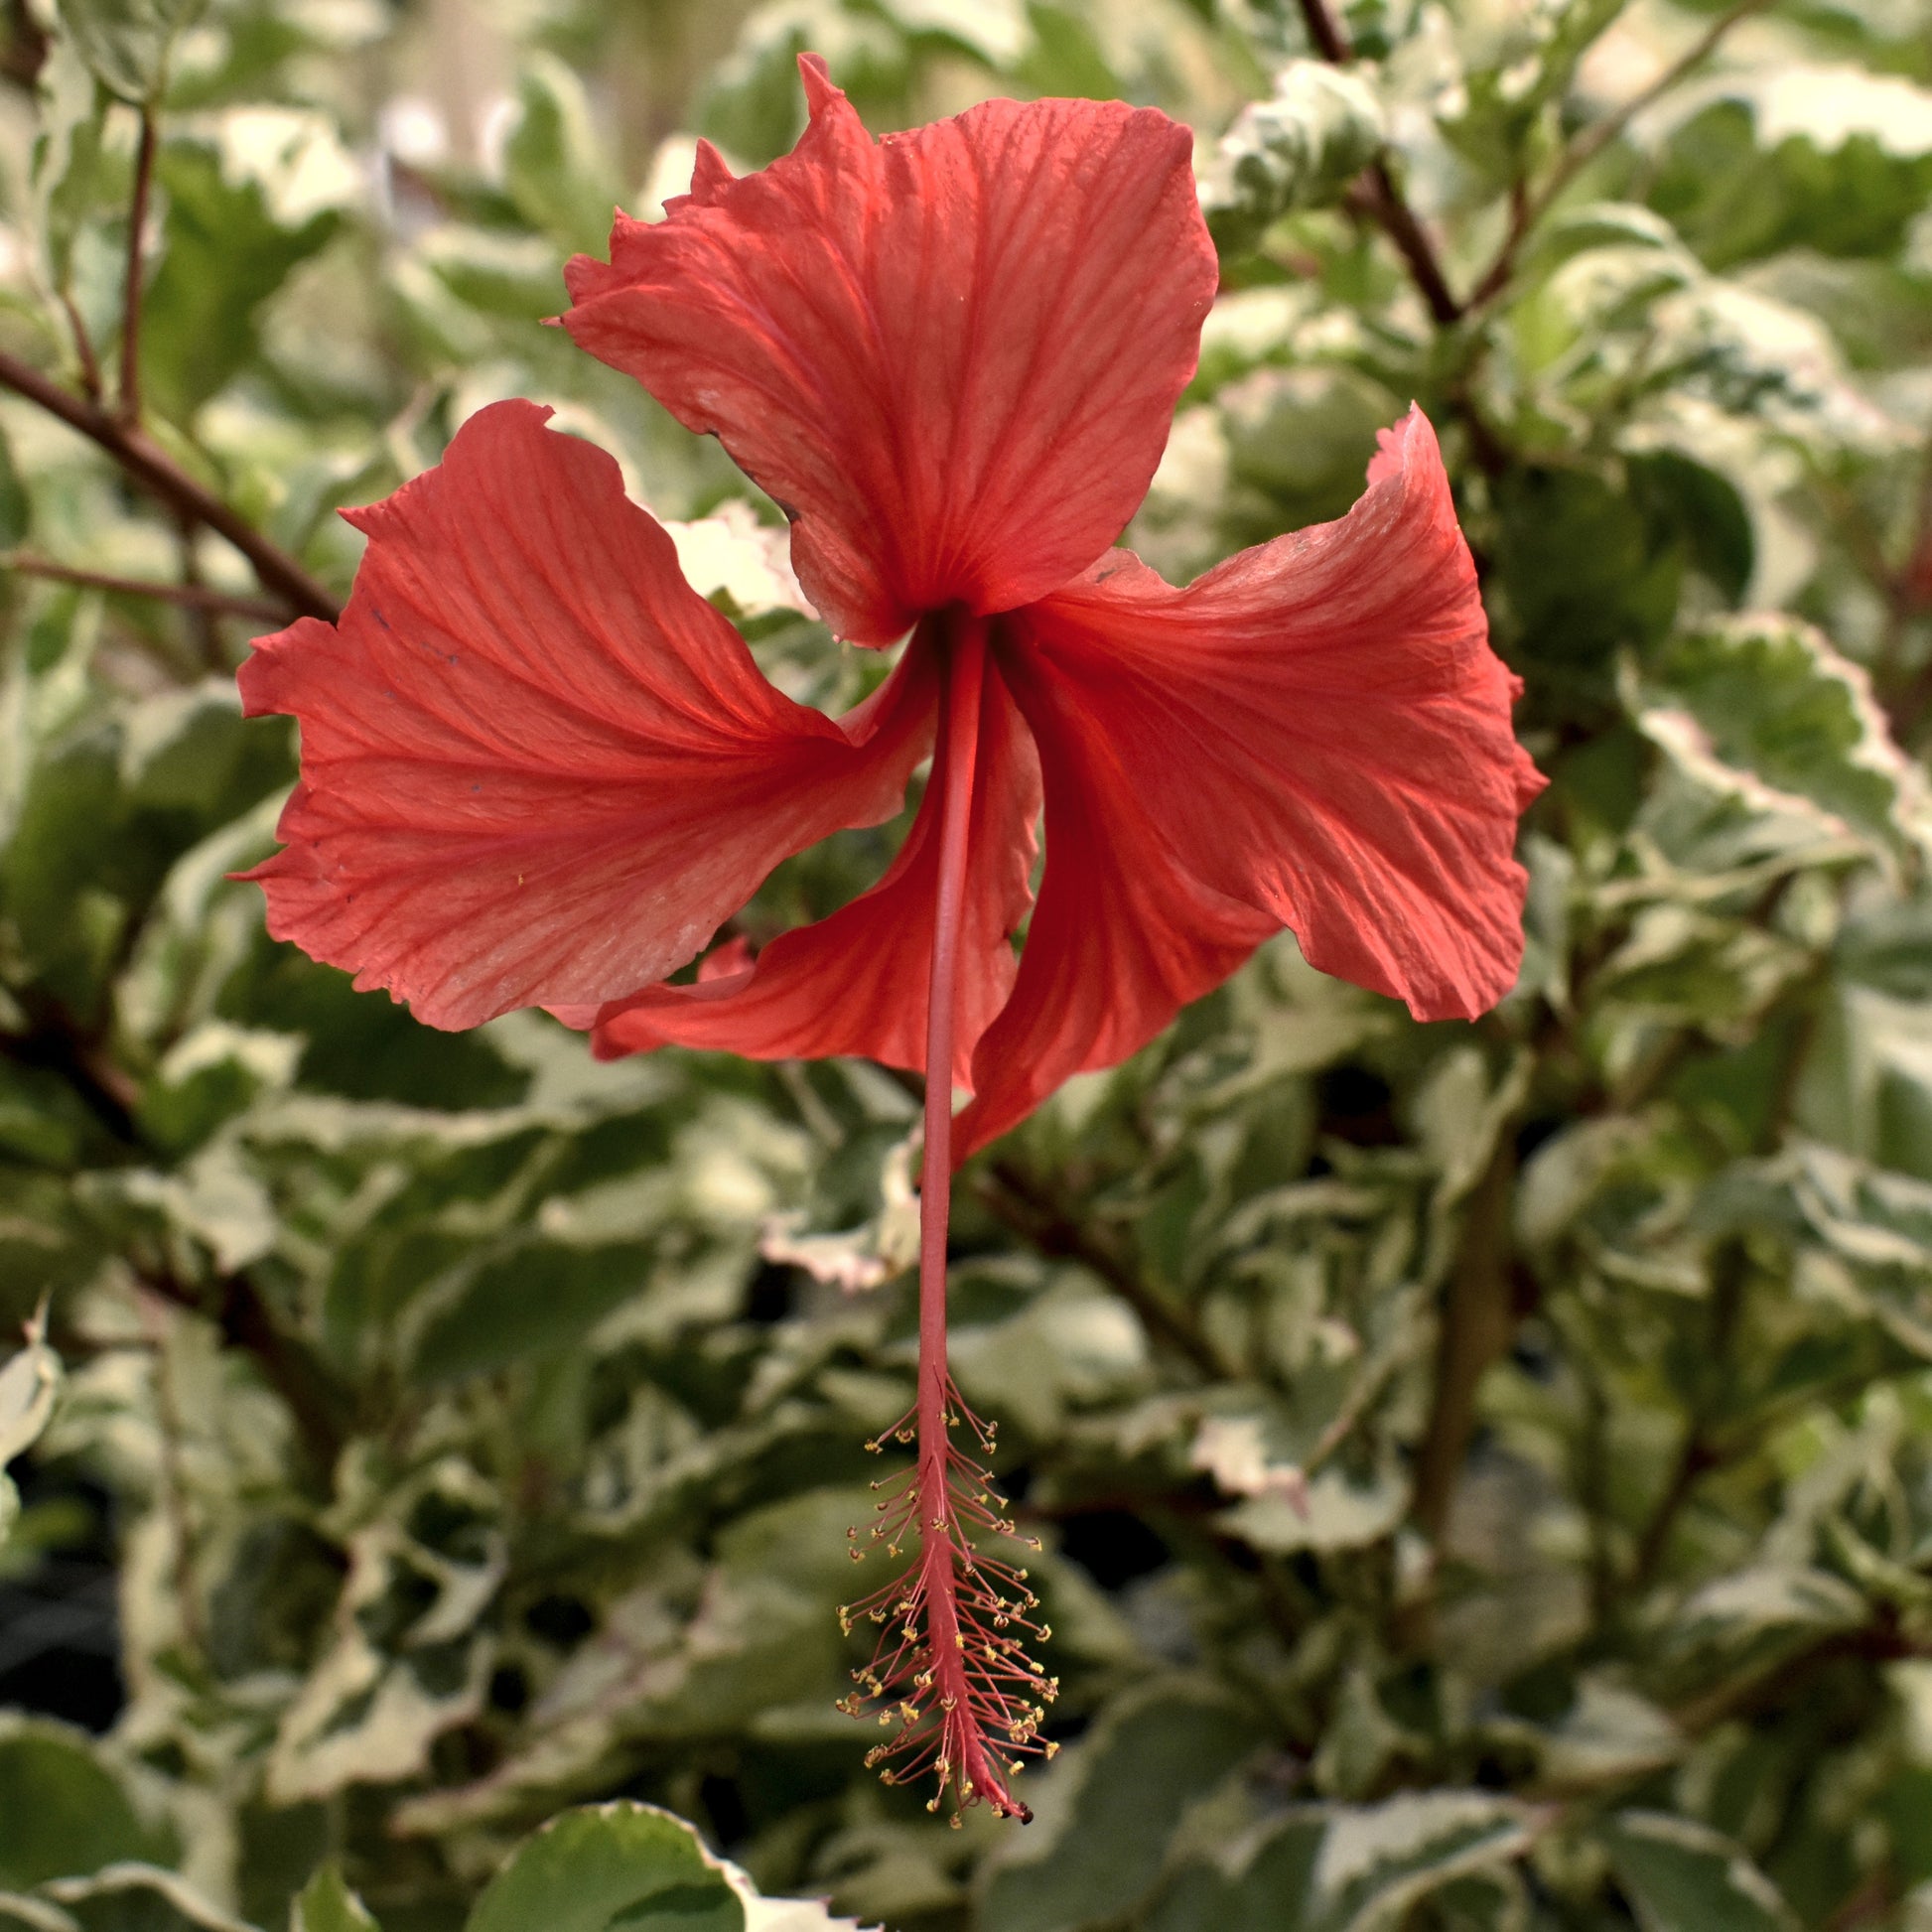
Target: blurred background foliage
[{"x": 1485, "y": 1470}]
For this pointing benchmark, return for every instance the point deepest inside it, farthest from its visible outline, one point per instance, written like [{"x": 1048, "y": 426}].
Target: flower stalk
[{"x": 951, "y": 1670}]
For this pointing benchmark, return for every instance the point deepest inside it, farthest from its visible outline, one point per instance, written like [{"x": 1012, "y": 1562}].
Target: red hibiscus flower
[{"x": 538, "y": 769}]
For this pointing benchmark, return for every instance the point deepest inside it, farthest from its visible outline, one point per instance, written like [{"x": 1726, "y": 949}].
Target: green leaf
[
  {"x": 993, "y": 31},
  {"x": 1336, "y": 1868},
  {"x": 327, "y": 1906},
  {"x": 20, "y": 1914},
  {"x": 213, "y": 1072},
  {"x": 181, "y": 748},
  {"x": 1888, "y": 948},
  {"x": 1873, "y": 1233},
  {"x": 413, "y": 1651},
  {"x": 1300, "y": 148},
  {"x": 242, "y": 215},
  {"x": 128, "y": 42},
  {"x": 1761, "y": 361},
  {"x": 1774, "y": 699},
  {"x": 1066, "y": 57},
  {"x": 1586, "y": 567},
  {"x": 226, "y": 249},
  {"x": 1751, "y": 1618},
  {"x": 72, "y": 174},
  {"x": 1300, "y": 440},
  {"x": 1624, "y": 225},
  {"x": 15, "y": 510},
  {"x": 553, "y": 166},
  {"x": 1338, "y": 1509},
  {"x": 1377, "y": 1862},
  {"x": 134, "y": 1897},
  {"x": 1787, "y": 156},
  {"x": 61, "y": 1811},
  {"x": 1709, "y": 819},
  {"x": 1706, "y": 507},
  {"x": 1501, "y": 104},
  {"x": 1867, "y": 1086},
  {"x": 1263, "y": 1881},
  {"x": 67, "y": 848},
  {"x": 47, "y": 1241},
  {"x": 1107, "y": 1812},
  {"x": 496, "y": 271},
  {"x": 527, "y": 1304},
  {"x": 1604, "y": 1732},
  {"x": 1063, "y": 1349},
  {"x": 616, "y": 1867},
  {"x": 30, "y": 1385},
  {"x": 216, "y": 1200},
  {"x": 1681, "y": 1876}
]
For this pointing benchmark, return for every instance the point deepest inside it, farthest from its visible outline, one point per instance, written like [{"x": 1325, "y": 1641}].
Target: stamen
[{"x": 945, "y": 1668}]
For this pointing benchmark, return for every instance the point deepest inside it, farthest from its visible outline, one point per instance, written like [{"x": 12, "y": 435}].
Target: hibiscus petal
[
  {"x": 857, "y": 982},
  {"x": 1123, "y": 938},
  {"x": 953, "y": 354},
  {"x": 537, "y": 768},
  {"x": 1314, "y": 735}
]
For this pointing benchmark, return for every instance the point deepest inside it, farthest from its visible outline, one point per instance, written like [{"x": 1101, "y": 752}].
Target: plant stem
[
  {"x": 1377, "y": 197},
  {"x": 1330, "y": 36},
  {"x": 1376, "y": 194},
  {"x": 1477, "y": 1326},
  {"x": 83, "y": 348},
  {"x": 195, "y": 597},
  {"x": 157, "y": 473},
  {"x": 137, "y": 223},
  {"x": 1591, "y": 142}
]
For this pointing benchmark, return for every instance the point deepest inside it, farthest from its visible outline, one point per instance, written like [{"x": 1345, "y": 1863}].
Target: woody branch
[{"x": 118, "y": 430}]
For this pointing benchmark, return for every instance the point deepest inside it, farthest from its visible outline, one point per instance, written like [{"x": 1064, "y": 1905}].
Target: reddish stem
[
  {"x": 949, "y": 1671},
  {"x": 959, "y": 724},
  {"x": 137, "y": 223},
  {"x": 959, "y": 728},
  {"x": 155, "y": 470}
]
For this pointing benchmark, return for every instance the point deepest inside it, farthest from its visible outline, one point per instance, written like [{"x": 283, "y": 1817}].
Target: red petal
[
  {"x": 855, "y": 982},
  {"x": 1123, "y": 937},
  {"x": 953, "y": 354},
  {"x": 537, "y": 768},
  {"x": 1316, "y": 734}
]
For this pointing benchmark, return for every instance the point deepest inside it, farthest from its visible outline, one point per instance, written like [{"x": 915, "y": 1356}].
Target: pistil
[{"x": 951, "y": 1676}]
